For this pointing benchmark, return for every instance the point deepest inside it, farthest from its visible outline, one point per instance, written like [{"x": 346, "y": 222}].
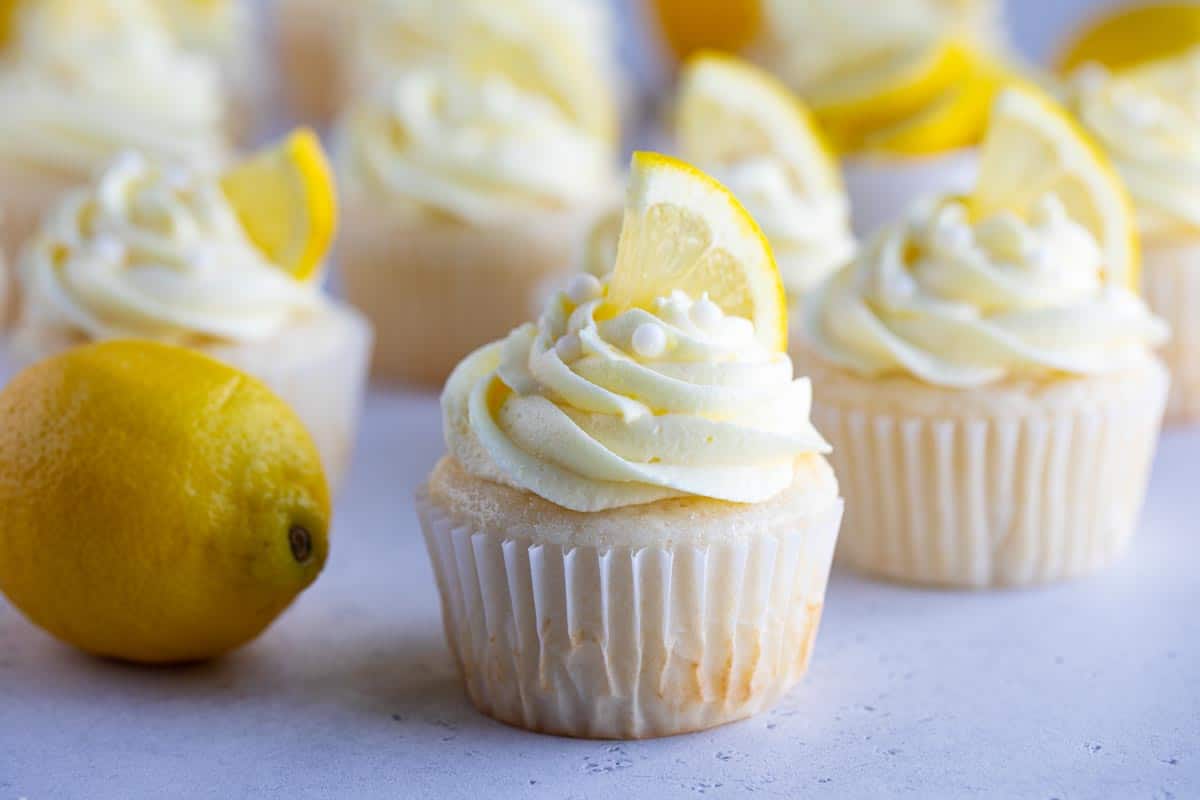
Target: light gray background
[{"x": 1089, "y": 689}]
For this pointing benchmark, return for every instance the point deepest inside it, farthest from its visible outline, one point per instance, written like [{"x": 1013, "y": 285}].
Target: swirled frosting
[
  {"x": 154, "y": 252},
  {"x": 76, "y": 92},
  {"x": 474, "y": 149},
  {"x": 1148, "y": 119},
  {"x": 961, "y": 304},
  {"x": 593, "y": 414},
  {"x": 809, "y": 232}
]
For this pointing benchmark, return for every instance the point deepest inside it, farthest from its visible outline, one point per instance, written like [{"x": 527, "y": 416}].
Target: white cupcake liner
[
  {"x": 992, "y": 492},
  {"x": 881, "y": 188},
  {"x": 1171, "y": 283},
  {"x": 628, "y": 642}
]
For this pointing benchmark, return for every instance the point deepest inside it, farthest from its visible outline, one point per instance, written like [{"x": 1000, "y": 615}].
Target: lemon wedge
[
  {"x": 728, "y": 111},
  {"x": 689, "y": 26},
  {"x": 1133, "y": 35},
  {"x": 957, "y": 118},
  {"x": 891, "y": 86},
  {"x": 286, "y": 201},
  {"x": 8, "y": 21},
  {"x": 1033, "y": 148},
  {"x": 683, "y": 230}
]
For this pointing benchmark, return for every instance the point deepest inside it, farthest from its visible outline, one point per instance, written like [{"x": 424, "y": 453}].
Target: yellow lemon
[
  {"x": 683, "y": 230},
  {"x": 692, "y": 25},
  {"x": 155, "y": 505},
  {"x": 1132, "y": 35},
  {"x": 286, "y": 200}
]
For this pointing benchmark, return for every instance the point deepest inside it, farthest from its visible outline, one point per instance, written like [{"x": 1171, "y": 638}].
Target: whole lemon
[{"x": 155, "y": 505}]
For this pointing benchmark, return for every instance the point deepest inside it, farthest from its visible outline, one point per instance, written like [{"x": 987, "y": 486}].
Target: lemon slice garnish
[
  {"x": 1033, "y": 148},
  {"x": 285, "y": 198},
  {"x": 689, "y": 26},
  {"x": 1133, "y": 35},
  {"x": 683, "y": 230},
  {"x": 729, "y": 111}
]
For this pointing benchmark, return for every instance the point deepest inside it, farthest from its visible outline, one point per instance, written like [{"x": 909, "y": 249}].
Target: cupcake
[
  {"x": 901, "y": 88},
  {"x": 985, "y": 370},
  {"x": 79, "y": 88},
  {"x": 464, "y": 194},
  {"x": 632, "y": 528},
  {"x": 312, "y": 43},
  {"x": 160, "y": 251},
  {"x": 742, "y": 126},
  {"x": 1148, "y": 120}
]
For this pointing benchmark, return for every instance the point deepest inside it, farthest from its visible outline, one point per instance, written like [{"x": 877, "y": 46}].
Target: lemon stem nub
[{"x": 301, "y": 543}]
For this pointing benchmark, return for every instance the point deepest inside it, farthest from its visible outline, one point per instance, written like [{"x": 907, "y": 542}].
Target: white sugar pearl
[
  {"x": 109, "y": 249},
  {"x": 584, "y": 287},
  {"x": 569, "y": 347},
  {"x": 649, "y": 340},
  {"x": 706, "y": 314}
]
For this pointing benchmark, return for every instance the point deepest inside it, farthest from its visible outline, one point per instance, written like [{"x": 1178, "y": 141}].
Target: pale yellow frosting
[
  {"x": 476, "y": 149},
  {"x": 590, "y": 414},
  {"x": 76, "y": 92},
  {"x": 154, "y": 251},
  {"x": 962, "y": 304},
  {"x": 1148, "y": 119}
]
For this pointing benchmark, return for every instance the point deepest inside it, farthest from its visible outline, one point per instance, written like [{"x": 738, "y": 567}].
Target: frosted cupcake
[
  {"x": 167, "y": 253},
  {"x": 314, "y": 51},
  {"x": 1148, "y": 120},
  {"x": 744, "y": 127},
  {"x": 464, "y": 194},
  {"x": 79, "y": 89},
  {"x": 902, "y": 89},
  {"x": 632, "y": 529},
  {"x": 985, "y": 370}
]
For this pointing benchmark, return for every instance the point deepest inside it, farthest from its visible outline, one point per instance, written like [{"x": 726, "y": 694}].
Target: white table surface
[{"x": 1085, "y": 690}]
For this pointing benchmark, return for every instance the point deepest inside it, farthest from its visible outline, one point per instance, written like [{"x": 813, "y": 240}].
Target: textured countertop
[{"x": 1085, "y": 690}]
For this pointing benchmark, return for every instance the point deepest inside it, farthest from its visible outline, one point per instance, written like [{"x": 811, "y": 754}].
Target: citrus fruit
[
  {"x": 683, "y": 230},
  {"x": 1132, "y": 35},
  {"x": 155, "y": 505},
  {"x": 286, "y": 201},
  {"x": 691, "y": 25}
]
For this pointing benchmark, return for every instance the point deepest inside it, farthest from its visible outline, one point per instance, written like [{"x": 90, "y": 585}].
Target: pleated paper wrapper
[
  {"x": 628, "y": 642},
  {"x": 991, "y": 491},
  {"x": 1171, "y": 283}
]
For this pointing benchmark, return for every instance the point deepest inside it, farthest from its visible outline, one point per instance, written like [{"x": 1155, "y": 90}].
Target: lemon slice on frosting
[
  {"x": 683, "y": 230},
  {"x": 729, "y": 110},
  {"x": 286, "y": 201},
  {"x": 1133, "y": 35},
  {"x": 1031, "y": 149}
]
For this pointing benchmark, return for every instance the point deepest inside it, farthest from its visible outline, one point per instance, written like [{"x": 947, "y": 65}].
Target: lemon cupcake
[
  {"x": 226, "y": 265},
  {"x": 1148, "y": 119},
  {"x": 77, "y": 88},
  {"x": 985, "y": 370},
  {"x": 742, "y": 126},
  {"x": 632, "y": 529},
  {"x": 902, "y": 89},
  {"x": 465, "y": 192}
]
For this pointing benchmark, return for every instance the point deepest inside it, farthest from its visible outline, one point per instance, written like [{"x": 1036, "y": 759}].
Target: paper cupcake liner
[
  {"x": 436, "y": 290},
  {"x": 882, "y": 188},
  {"x": 628, "y": 642},
  {"x": 1171, "y": 283},
  {"x": 318, "y": 367},
  {"x": 991, "y": 492}
]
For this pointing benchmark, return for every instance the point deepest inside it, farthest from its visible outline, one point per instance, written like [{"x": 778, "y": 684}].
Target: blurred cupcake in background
[
  {"x": 1143, "y": 107},
  {"x": 745, "y": 128},
  {"x": 902, "y": 89},
  {"x": 985, "y": 369},
  {"x": 228, "y": 264},
  {"x": 470, "y": 180},
  {"x": 83, "y": 81},
  {"x": 312, "y": 41}
]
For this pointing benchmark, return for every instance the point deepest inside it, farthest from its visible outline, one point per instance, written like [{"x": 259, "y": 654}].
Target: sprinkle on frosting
[
  {"x": 158, "y": 252},
  {"x": 594, "y": 412},
  {"x": 962, "y": 304}
]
